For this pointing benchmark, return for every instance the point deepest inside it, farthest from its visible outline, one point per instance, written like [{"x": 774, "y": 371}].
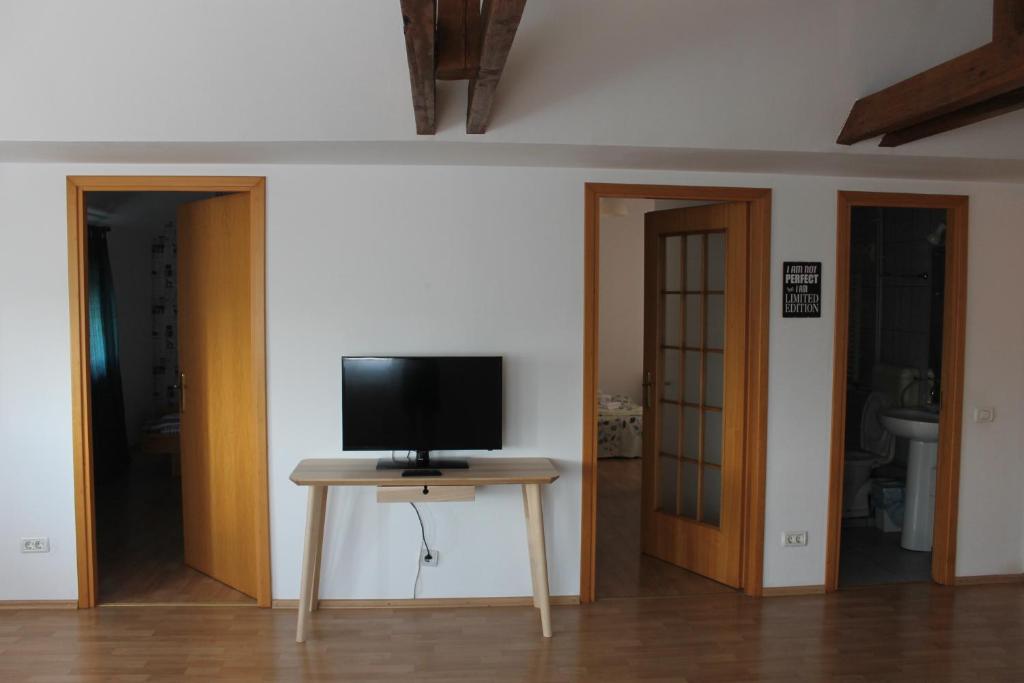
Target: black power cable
[
  {"x": 423, "y": 534},
  {"x": 428, "y": 557}
]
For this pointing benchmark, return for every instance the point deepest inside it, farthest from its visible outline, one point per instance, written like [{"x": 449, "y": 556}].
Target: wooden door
[
  {"x": 219, "y": 442},
  {"x": 695, "y": 284}
]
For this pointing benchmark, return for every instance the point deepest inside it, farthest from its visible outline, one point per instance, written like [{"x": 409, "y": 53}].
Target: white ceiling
[{"x": 764, "y": 84}]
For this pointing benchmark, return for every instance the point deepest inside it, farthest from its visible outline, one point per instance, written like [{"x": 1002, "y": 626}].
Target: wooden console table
[{"x": 319, "y": 474}]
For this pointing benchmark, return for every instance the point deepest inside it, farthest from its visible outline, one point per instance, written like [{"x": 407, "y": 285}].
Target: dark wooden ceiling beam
[
  {"x": 458, "y": 39},
  {"x": 1007, "y": 20},
  {"x": 978, "y": 85},
  {"x": 997, "y": 106},
  {"x": 962, "y": 82},
  {"x": 418, "y": 21},
  {"x": 499, "y": 23}
]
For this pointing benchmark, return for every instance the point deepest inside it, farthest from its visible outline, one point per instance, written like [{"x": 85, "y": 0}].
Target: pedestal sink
[{"x": 920, "y": 426}]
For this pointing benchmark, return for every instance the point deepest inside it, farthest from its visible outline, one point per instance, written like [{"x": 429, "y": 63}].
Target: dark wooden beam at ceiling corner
[
  {"x": 1007, "y": 20},
  {"x": 458, "y": 39},
  {"x": 499, "y": 23},
  {"x": 997, "y": 106},
  {"x": 418, "y": 22},
  {"x": 963, "y": 81},
  {"x": 981, "y": 84}
]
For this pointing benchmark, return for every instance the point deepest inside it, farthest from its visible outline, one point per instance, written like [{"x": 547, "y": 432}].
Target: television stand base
[
  {"x": 420, "y": 472},
  {"x": 430, "y": 464}
]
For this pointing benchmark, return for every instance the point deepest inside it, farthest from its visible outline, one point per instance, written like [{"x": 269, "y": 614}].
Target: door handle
[
  {"x": 648, "y": 383},
  {"x": 181, "y": 391}
]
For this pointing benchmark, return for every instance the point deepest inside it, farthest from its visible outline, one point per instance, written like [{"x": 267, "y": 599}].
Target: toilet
[{"x": 876, "y": 449}]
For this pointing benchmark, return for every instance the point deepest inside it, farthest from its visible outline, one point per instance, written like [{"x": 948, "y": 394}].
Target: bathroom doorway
[{"x": 897, "y": 389}]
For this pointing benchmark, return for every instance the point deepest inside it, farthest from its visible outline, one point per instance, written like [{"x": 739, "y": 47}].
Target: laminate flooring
[{"x": 907, "y": 632}]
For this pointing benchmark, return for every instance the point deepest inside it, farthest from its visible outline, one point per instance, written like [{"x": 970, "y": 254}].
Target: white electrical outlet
[
  {"x": 792, "y": 539},
  {"x": 985, "y": 414},
  {"x": 35, "y": 545},
  {"x": 435, "y": 557}
]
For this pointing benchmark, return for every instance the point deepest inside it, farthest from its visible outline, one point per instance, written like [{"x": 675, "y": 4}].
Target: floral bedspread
[{"x": 620, "y": 427}]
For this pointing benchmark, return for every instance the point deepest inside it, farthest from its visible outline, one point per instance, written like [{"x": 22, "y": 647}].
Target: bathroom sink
[
  {"x": 916, "y": 424},
  {"x": 921, "y": 427}
]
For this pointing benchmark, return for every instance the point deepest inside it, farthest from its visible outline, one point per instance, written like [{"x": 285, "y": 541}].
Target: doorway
[
  {"x": 167, "y": 309},
  {"x": 687, "y": 516},
  {"x": 897, "y": 389}
]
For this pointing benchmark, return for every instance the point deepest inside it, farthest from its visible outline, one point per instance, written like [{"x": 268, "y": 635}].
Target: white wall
[
  {"x": 405, "y": 259},
  {"x": 621, "y": 312},
  {"x": 728, "y": 74}
]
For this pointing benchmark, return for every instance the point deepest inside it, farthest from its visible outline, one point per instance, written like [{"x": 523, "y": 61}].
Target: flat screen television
[{"x": 421, "y": 404}]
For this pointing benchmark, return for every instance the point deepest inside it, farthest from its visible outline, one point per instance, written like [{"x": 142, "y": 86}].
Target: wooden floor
[
  {"x": 139, "y": 541},
  {"x": 622, "y": 569},
  {"x": 908, "y": 632}
]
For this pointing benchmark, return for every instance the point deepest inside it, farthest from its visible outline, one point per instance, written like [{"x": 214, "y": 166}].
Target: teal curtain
[{"x": 109, "y": 436}]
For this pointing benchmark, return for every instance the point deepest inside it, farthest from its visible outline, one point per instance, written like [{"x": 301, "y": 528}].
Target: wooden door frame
[
  {"x": 947, "y": 484},
  {"x": 77, "y": 186},
  {"x": 756, "y": 409}
]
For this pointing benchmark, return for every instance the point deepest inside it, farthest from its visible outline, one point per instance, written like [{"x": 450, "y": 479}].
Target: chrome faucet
[
  {"x": 933, "y": 391},
  {"x": 934, "y": 394}
]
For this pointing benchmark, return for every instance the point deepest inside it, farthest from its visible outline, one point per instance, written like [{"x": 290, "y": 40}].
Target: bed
[
  {"x": 620, "y": 427},
  {"x": 162, "y": 437}
]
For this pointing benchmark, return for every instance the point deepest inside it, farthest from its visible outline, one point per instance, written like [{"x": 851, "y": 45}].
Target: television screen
[{"x": 421, "y": 403}]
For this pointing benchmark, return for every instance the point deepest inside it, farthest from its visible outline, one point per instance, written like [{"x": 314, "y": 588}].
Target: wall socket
[
  {"x": 35, "y": 545},
  {"x": 792, "y": 539},
  {"x": 984, "y": 414},
  {"x": 435, "y": 557}
]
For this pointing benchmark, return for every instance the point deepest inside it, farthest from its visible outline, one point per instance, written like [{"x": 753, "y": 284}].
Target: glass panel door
[
  {"x": 695, "y": 363},
  {"x": 691, "y": 305}
]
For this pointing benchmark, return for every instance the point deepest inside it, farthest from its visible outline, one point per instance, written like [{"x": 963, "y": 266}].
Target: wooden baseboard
[
  {"x": 38, "y": 604},
  {"x": 781, "y": 591},
  {"x": 419, "y": 603},
  {"x": 985, "y": 579}
]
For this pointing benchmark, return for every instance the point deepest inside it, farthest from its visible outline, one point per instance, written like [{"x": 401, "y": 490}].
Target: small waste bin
[{"x": 887, "y": 503}]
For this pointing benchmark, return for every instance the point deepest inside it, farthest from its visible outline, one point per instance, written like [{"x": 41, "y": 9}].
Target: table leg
[
  {"x": 314, "y": 596},
  {"x": 538, "y": 557},
  {"x": 317, "y": 494},
  {"x": 533, "y": 564}
]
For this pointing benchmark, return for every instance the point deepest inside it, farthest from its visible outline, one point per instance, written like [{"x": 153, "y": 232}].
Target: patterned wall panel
[{"x": 164, "y": 274}]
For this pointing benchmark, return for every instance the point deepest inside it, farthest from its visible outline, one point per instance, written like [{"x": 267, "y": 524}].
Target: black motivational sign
[{"x": 801, "y": 289}]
